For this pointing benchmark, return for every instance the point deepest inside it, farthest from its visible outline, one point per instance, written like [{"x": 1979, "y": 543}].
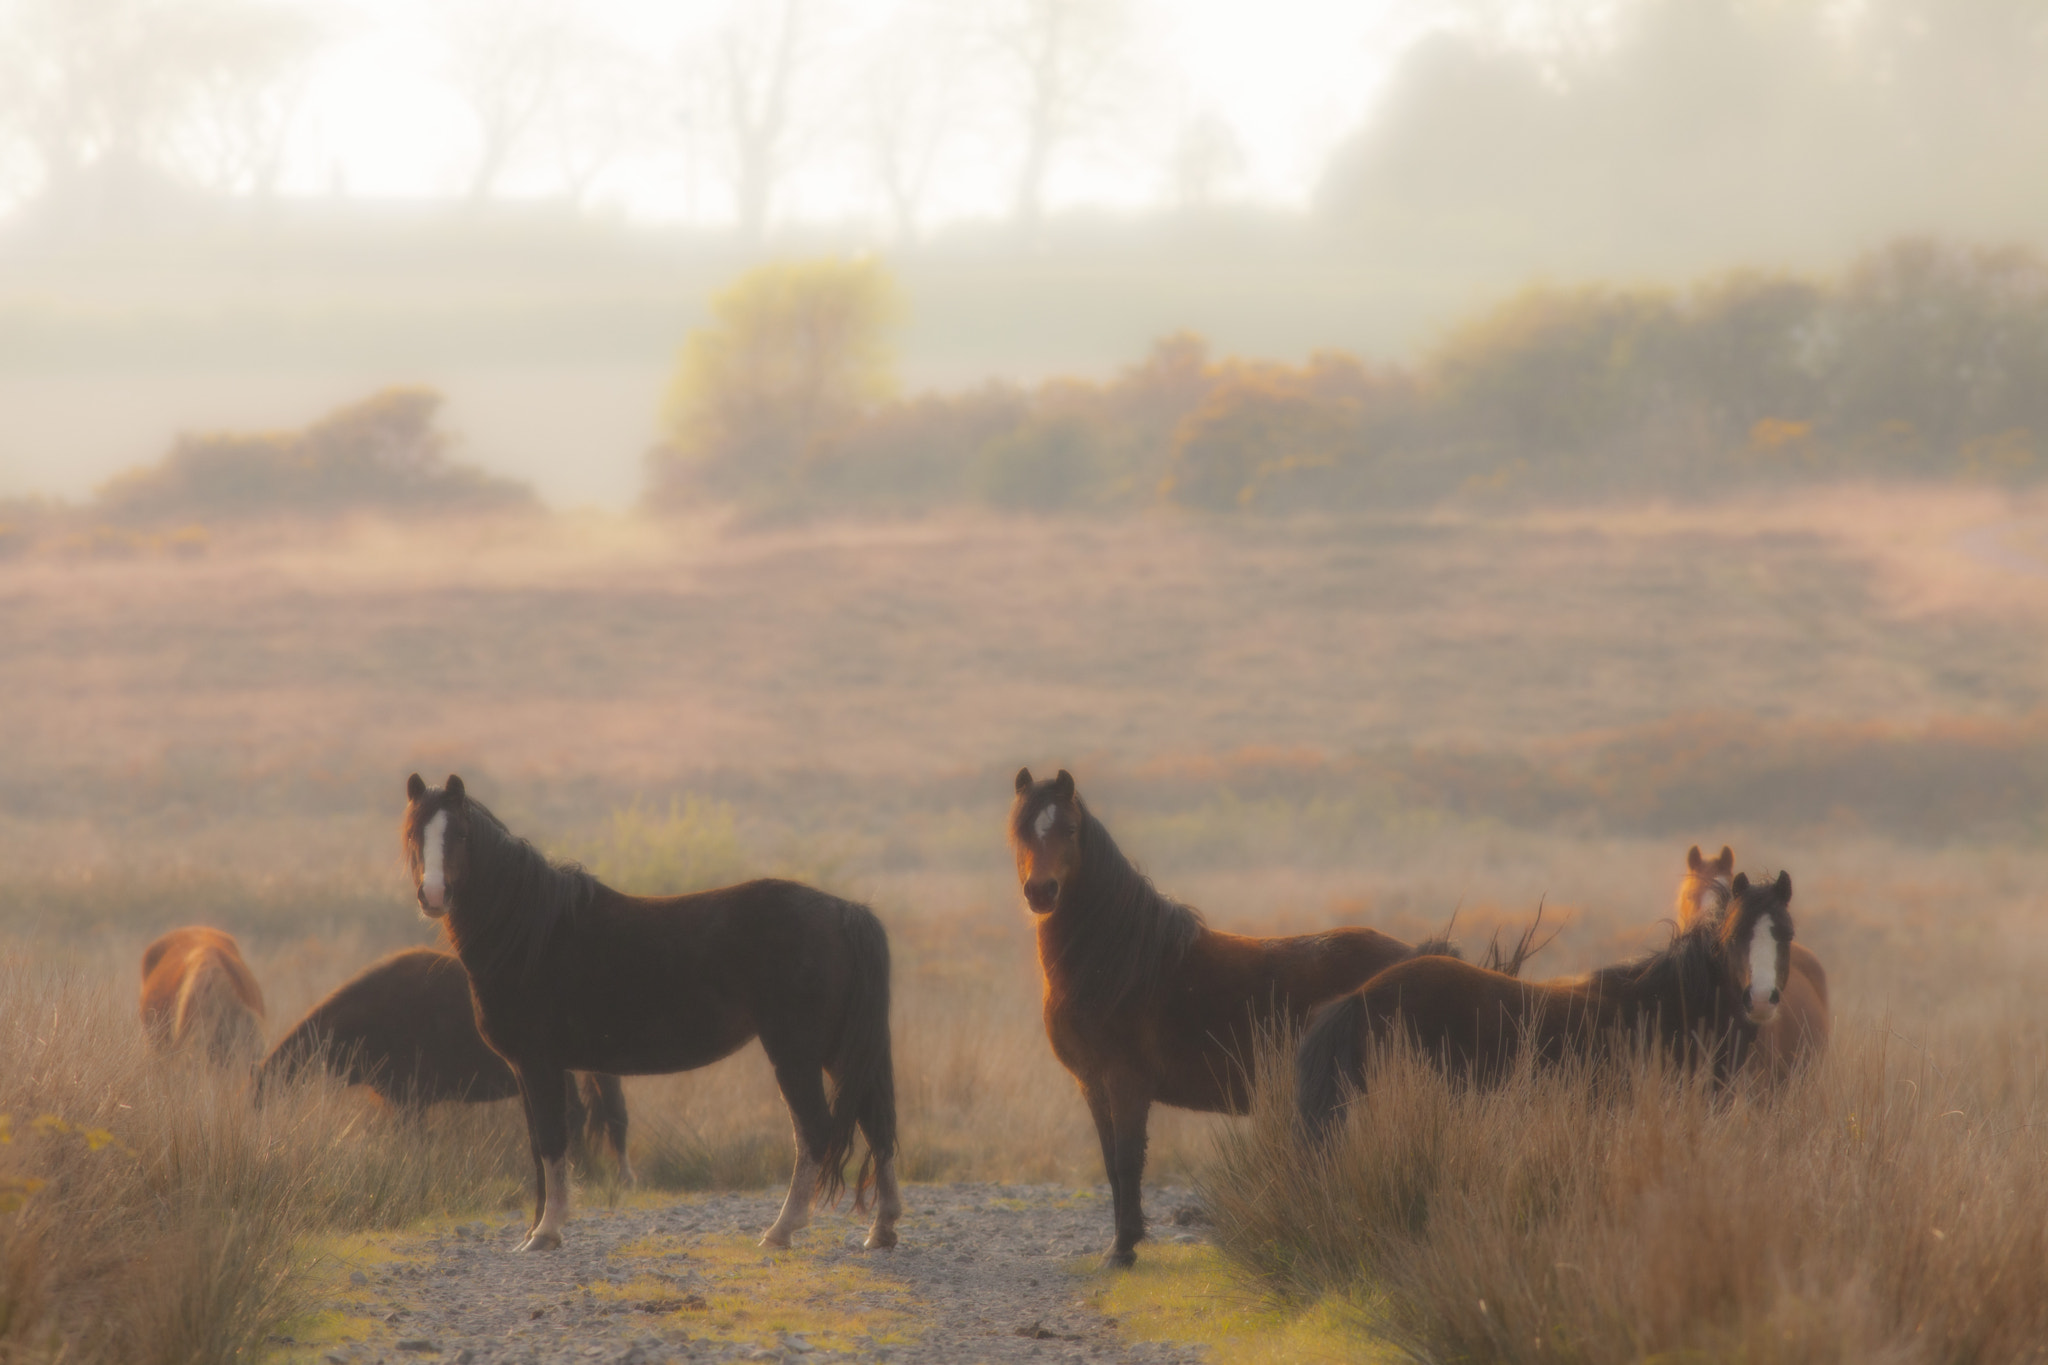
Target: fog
[{"x": 239, "y": 214}]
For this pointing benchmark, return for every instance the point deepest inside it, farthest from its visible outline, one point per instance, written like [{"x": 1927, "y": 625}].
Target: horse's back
[
  {"x": 404, "y": 1026},
  {"x": 1294, "y": 973},
  {"x": 1464, "y": 1016},
  {"x": 763, "y": 934}
]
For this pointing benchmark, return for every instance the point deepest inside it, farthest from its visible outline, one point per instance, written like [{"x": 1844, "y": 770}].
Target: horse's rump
[
  {"x": 404, "y": 1026},
  {"x": 198, "y": 993}
]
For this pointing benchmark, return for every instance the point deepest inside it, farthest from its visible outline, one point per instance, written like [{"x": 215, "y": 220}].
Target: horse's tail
[
  {"x": 212, "y": 1015},
  {"x": 1329, "y": 1062},
  {"x": 866, "y": 1072}
]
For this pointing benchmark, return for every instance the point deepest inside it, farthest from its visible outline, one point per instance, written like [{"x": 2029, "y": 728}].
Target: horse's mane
[
  {"x": 1690, "y": 963},
  {"x": 531, "y": 893},
  {"x": 1120, "y": 933}
]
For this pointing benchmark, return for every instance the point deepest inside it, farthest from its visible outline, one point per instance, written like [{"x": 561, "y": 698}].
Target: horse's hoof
[
  {"x": 542, "y": 1241},
  {"x": 778, "y": 1241},
  {"x": 1119, "y": 1258},
  {"x": 881, "y": 1239}
]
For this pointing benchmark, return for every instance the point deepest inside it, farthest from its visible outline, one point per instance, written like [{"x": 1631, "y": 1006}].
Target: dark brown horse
[
  {"x": 1701, "y": 998},
  {"x": 405, "y": 1028},
  {"x": 568, "y": 973},
  {"x": 1799, "y": 1031},
  {"x": 198, "y": 993},
  {"x": 1144, "y": 1003}
]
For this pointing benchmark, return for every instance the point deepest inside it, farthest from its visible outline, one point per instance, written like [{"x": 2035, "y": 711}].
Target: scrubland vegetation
[
  {"x": 1923, "y": 362},
  {"x": 1454, "y": 712},
  {"x": 1327, "y": 644},
  {"x": 1882, "y": 1206}
]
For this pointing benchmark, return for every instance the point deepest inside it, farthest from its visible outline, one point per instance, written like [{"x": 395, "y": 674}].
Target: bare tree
[
  {"x": 1062, "y": 56},
  {"x": 111, "y": 100},
  {"x": 250, "y": 66},
  {"x": 753, "y": 60},
  {"x": 912, "y": 82},
  {"x": 505, "y": 60},
  {"x": 1207, "y": 156}
]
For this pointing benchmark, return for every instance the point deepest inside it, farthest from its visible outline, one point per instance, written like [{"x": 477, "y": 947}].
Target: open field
[{"x": 1289, "y": 724}]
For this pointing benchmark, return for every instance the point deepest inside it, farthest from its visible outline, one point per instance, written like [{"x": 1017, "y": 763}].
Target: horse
[
  {"x": 405, "y": 1027},
  {"x": 198, "y": 993},
  {"x": 1144, "y": 1003},
  {"x": 1702, "y": 998},
  {"x": 568, "y": 973},
  {"x": 1799, "y": 1031}
]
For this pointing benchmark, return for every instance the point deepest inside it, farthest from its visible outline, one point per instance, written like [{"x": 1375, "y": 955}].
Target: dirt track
[{"x": 984, "y": 1273}]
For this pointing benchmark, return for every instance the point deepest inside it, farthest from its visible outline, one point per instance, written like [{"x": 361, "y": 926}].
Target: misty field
[{"x": 1290, "y": 724}]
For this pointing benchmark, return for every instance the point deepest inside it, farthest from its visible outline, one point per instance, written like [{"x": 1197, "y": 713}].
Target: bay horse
[
  {"x": 405, "y": 1027},
  {"x": 1799, "y": 1031},
  {"x": 1702, "y": 999},
  {"x": 568, "y": 973},
  {"x": 197, "y": 993},
  {"x": 1144, "y": 1003}
]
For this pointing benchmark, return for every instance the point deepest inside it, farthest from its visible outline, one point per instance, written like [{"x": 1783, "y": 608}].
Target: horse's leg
[
  {"x": 888, "y": 1206},
  {"x": 610, "y": 1108},
  {"x": 803, "y": 1090},
  {"x": 1130, "y": 1109},
  {"x": 1105, "y": 1133},
  {"x": 540, "y": 1184},
  {"x": 547, "y": 1105}
]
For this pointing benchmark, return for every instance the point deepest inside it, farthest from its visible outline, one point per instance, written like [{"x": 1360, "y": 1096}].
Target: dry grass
[
  {"x": 154, "y": 1215},
  {"x": 1884, "y": 1207},
  {"x": 1291, "y": 726}
]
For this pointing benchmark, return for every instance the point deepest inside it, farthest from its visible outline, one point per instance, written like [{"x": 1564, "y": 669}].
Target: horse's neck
[{"x": 1057, "y": 932}]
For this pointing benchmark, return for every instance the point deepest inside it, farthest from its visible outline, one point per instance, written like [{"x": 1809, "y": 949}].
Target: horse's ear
[
  {"x": 1692, "y": 858},
  {"x": 415, "y": 787},
  {"x": 1726, "y": 862},
  {"x": 455, "y": 792},
  {"x": 1064, "y": 785},
  {"x": 1739, "y": 885},
  {"x": 1023, "y": 780},
  {"x": 1783, "y": 886}
]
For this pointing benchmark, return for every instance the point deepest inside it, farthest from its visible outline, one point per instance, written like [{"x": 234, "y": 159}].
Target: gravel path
[{"x": 984, "y": 1273}]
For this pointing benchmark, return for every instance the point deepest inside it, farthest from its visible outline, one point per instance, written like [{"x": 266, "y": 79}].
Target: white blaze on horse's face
[
  {"x": 1763, "y": 973},
  {"x": 433, "y": 882},
  {"x": 1043, "y": 825}
]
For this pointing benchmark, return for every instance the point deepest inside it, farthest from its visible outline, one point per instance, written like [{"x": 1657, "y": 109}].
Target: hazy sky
[{"x": 1287, "y": 78}]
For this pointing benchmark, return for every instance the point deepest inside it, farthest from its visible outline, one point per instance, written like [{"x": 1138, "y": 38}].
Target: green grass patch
[
  {"x": 742, "y": 1295},
  {"x": 1191, "y": 1294}
]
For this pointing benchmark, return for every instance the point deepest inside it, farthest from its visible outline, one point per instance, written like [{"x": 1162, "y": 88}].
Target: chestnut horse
[
  {"x": 405, "y": 1028},
  {"x": 1799, "y": 1030},
  {"x": 1144, "y": 1003},
  {"x": 198, "y": 993},
  {"x": 1702, "y": 999},
  {"x": 568, "y": 973}
]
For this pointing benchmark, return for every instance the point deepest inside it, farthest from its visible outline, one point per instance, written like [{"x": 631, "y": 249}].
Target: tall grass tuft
[
  {"x": 1883, "y": 1207},
  {"x": 150, "y": 1213}
]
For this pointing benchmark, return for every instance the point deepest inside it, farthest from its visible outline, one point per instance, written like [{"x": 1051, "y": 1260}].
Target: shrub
[
  {"x": 795, "y": 352},
  {"x": 383, "y": 453}
]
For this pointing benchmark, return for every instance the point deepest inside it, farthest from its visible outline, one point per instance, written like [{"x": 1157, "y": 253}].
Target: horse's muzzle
[
  {"x": 434, "y": 906},
  {"x": 1042, "y": 895}
]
